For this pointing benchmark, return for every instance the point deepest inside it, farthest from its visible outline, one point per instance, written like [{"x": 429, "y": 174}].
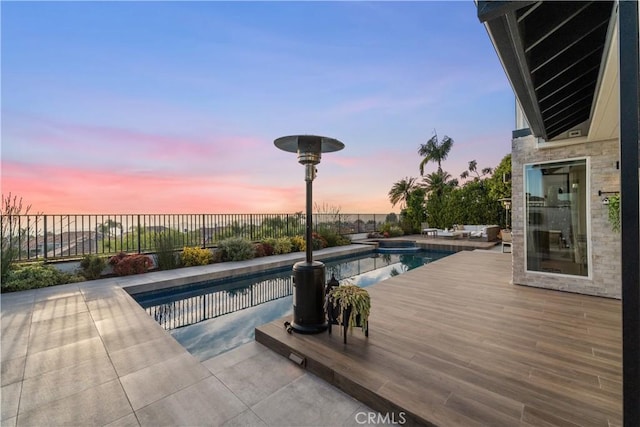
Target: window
[{"x": 556, "y": 217}]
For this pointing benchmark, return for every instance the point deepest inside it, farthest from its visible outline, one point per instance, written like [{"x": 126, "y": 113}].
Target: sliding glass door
[{"x": 556, "y": 217}]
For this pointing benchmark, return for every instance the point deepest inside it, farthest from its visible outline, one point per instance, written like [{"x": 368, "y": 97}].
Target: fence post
[
  {"x": 139, "y": 235},
  {"x": 204, "y": 231},
  {"x": 45, "y": 246}
]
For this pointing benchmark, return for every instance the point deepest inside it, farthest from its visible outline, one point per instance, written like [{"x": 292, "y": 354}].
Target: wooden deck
[{"x": 453, "y": 343}]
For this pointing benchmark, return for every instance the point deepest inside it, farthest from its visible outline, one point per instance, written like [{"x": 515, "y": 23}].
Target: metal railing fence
[{"x": 34, "y": 237}]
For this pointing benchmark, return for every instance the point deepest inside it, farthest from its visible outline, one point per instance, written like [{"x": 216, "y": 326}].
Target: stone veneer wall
[{"x": 605, "y": 244}]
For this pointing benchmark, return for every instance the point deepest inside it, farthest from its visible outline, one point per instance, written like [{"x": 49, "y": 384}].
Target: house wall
[{"x": 605, "y": 244}]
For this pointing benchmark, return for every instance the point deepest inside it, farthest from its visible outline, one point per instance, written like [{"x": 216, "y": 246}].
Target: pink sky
[{"x": 134, "y": 107}]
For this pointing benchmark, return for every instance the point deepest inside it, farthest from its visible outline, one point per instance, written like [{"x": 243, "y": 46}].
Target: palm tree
[
  {"x": 437, "y": 182},
  {"x": 434, "y": 151},
  {"x": 473, "y": 168},
  {"x": 401, "y": 190}
]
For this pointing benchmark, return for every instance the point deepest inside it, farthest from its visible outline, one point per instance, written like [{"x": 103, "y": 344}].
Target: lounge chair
[{"x": 426, "y": 231}]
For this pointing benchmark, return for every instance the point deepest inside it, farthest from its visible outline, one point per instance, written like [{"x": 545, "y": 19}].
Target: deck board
[{"x": 454, "y": 343}]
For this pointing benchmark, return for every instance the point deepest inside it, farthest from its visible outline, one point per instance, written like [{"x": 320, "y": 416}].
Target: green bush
[
  {"x": 193, "y": 256},
  {"x": 7, "y": 257},
  {"x": 298, "y": 244},
  {"x": 236, "y": 249},
  {"x": 318, "y": 242},
  {"x": 282, "y": 246},
  {"x": 32, "y": 276},
  {"x": 126, "y": 264},
  {"x": 393, "y": 230},
  {"x": 333, "y": 238},
  {"x": 91, "y": 266},
  {"x": 165, "y": 254}
]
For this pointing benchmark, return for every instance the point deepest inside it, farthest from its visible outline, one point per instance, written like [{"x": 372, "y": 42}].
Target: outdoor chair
[
  {"x": 506, "y": 240},
  {"x": 426, "y": 231}
]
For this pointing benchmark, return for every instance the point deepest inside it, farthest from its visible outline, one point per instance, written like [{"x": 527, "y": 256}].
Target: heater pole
[{"x": 309, "y": 228}]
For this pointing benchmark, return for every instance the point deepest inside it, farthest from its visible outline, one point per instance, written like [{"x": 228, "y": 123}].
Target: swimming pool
[{"x": 209, "y": 318}]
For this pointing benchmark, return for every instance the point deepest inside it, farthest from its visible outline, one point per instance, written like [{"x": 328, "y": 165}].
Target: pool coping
[{"x": 154, "y": 281}]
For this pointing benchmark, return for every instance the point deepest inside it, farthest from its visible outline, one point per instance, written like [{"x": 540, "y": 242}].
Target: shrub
[
  {"x": 318, "y": 242},
  {"x": 91, "y": 266},
  {"x": 193, "y": 256},
  {"x": 165, "y": 244},
  {"x": 298, "y": 244},
  {"x": 127, "y": 264},
  {"x": 395, "y": 231},
  {"x": 268, "y": 244},
  {"x": 258, "y": 250},
  {"x": 37, "y": 275},
  {"x": 282, "y": 246},
  {"x": 236, "y": 249},
  {"x": 333, "y": 238}
]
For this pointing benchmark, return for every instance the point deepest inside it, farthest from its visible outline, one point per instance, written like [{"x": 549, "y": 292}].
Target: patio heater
[{"x": 309, "y": 316}]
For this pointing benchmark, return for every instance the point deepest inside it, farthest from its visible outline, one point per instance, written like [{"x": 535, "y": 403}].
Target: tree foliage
[
  {"x": 435, "y": 151},
  {"x": 498, "y": 186},
  {"x": 415, "y": 213},
  {"x": 472, "y": 170},
  {"x": 400, "y": 191}
]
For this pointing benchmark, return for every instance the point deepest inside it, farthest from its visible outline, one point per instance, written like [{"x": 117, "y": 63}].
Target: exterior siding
[{"x": 604, "y": 243}]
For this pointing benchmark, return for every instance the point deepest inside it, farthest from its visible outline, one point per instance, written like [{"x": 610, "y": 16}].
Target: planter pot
[{"x": 333, "y": 315}]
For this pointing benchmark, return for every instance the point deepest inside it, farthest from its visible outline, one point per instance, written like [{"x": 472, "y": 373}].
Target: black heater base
[{"x": 309, "y": 316}]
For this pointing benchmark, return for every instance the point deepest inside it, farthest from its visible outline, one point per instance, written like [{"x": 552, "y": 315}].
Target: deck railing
[{"x": 71, "y": 236}]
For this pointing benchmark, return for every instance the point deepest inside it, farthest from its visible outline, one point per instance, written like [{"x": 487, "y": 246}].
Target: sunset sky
[{"x": 173, "y": 107}]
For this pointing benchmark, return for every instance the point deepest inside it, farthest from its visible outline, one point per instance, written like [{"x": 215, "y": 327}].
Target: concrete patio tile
[
  {"x": 259, "y": 376},
  {"x": 207, "y": 402},
  {"x": 158, "y": 381},
  {"x": 93, "y": 291},
  {"x": 127, "y": 421},
  {"x": 117, "y": 304},
  {"x": 232, "y": 357},
  {"x": 12, "y": 370},
  {"x": 9, "y": 422},
  {"x": 47, "y": 326},
  {"x": 54, "y": 385},
  {"x": 307, "y": 401},
  {"x": 14, "y": 343},
  {"x": 246, "y": 419},
  {"x": 140, "y": 356},
  {"x": 11, "y": 300},
  {"x": 55, "y": 292},
  {"x": 128, "y": 331},
  {"x": 98, "y": 405},
  {"x": 63, "y": 356},
  {"x": 58, "y": 307},
  {"x": 16, "y": 320},
  {"x": 10, "y": 400},
  {"x": 68, "y": 334}
]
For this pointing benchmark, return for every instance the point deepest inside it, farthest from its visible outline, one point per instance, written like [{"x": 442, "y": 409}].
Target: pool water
[{"x": 210, "y": 318}]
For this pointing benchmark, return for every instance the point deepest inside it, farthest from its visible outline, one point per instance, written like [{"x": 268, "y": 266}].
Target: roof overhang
[{"x": 554, "y": 54}]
